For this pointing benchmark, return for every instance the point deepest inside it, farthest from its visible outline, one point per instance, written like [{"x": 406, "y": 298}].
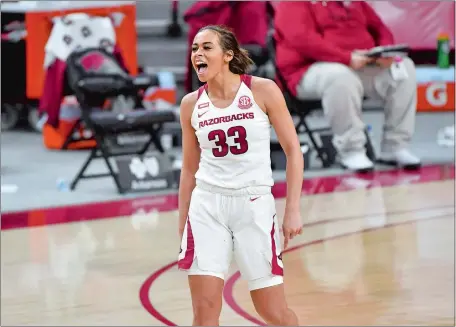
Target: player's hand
[
  {"x": 292, "y": 226},
  {"x": 358, "y": 60}
]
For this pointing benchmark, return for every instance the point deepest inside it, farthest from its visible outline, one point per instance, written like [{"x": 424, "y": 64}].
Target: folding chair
[
  {"x": 71, "y": 138},
  {"x": 94, "y": 75}
]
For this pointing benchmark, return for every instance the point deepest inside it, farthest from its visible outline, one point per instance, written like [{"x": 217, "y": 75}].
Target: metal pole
[{"x": 174, "y": 29}]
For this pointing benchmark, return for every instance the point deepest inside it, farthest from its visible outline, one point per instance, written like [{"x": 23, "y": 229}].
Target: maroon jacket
[
  {"x": 308, "y": 32},
  {"x": 248, "y": 19}
]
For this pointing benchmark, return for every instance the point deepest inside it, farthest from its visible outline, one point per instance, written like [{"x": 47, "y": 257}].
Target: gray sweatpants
[{"x": 342, "y": 89}]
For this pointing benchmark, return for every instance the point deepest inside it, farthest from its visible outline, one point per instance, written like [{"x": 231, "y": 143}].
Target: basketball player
[{"x": 225, "y": 201}]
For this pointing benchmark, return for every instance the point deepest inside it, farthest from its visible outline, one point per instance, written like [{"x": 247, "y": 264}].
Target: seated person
[{"x": 320, "y": 54}]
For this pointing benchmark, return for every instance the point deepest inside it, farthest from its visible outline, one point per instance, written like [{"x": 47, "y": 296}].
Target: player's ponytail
[{"x": 241, "y": 61}]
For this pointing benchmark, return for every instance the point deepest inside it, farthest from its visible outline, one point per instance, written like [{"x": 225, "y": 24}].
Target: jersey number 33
[{"x": 239, "y": 136}]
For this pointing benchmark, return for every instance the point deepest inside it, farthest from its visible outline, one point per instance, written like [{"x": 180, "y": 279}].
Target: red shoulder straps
[
  {"x": 201, "y": 90},
  {"x": 247, "y": 79}
]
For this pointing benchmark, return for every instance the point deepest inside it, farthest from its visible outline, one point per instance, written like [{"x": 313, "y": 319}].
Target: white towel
[{"x": 79, "y": 31}]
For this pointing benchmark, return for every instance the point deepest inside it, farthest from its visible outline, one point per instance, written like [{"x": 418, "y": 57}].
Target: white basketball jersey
[{"x": 234, "y": 141}]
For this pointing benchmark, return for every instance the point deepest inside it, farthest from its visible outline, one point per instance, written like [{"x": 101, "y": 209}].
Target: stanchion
[{"x": 174, "y": 29}]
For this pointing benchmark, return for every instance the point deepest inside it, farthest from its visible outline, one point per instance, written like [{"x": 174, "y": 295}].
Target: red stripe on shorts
[
  {"x": 187, "y": 261},
  {"x": 276, "y": 269}
]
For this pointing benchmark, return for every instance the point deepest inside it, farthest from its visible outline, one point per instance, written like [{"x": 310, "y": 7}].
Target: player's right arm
[{"x": 190, "y": 158}]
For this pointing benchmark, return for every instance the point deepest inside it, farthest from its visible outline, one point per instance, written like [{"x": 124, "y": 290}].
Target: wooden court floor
[{"x": 369, "y": 255}]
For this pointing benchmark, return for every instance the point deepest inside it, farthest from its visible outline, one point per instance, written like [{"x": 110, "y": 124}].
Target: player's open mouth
[{"x": 201, "y": 67}]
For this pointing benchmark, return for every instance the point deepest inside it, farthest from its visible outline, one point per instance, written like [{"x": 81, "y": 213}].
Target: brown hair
[{"x": 241, "y": 60}]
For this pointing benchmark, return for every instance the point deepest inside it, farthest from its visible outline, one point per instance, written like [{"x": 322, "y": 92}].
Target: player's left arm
[{"x": 268, "y": 94}]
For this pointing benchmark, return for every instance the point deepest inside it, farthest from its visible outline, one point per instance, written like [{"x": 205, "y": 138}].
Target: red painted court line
[
  {"x": 229, "y": 284},
  {"x": 144, "y": 294},
  {"x": 128, "y": 206}
]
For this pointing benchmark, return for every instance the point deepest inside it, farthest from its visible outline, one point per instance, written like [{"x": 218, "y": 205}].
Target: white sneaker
[
  {"x": 401, "y": 158},
  {"x": 356, "y": 161}
]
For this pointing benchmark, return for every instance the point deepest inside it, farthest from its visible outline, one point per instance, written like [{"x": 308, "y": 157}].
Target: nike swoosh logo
[
  {"x": 201, "y": 115},
  {"x": 254, "y": 199}
]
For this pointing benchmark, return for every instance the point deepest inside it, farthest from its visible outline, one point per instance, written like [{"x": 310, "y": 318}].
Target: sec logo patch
[{"x": 245, "y": 102}]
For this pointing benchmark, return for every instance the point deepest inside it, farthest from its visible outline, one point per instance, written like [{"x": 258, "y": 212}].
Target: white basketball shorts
[{"x": 242, "y": 222}]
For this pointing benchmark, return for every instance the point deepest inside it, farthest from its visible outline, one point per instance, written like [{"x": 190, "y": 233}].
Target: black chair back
[{"x": 95, "y": 74}]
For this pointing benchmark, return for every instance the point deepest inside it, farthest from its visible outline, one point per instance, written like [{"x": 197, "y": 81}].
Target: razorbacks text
[{"x": 226, "y": 119}]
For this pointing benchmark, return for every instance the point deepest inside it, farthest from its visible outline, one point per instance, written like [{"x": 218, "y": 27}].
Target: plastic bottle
[
  {"x": 369, "y": 130},
  {"x": 443, "y": 51},
  {"x": 62, "y": 185}
]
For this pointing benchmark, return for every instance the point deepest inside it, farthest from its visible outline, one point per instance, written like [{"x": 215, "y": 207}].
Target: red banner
[{"x": 418, "y": 23}]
